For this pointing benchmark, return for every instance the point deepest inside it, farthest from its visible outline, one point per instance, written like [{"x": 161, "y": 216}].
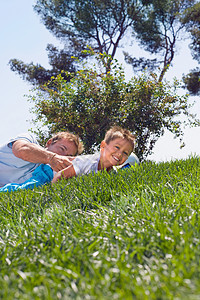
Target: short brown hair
[
  {"x": 119, "y": 132},
  {"x": 71, "y": 137}
]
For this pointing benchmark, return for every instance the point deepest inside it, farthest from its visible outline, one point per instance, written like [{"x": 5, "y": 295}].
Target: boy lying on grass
[{"x": 114, "y": 150}]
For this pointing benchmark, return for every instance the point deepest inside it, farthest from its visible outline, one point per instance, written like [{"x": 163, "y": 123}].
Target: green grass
[{"x": 130, "y": 235}]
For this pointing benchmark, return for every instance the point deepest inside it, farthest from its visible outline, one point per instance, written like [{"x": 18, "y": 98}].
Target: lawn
[{"x": 134, "y": 234}]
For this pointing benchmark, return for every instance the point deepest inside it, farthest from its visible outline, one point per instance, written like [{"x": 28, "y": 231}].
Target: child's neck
[{"x": 101, "y": 167}]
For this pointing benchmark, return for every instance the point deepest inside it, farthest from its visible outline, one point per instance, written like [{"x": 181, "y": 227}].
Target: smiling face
[
  {"x": 114, "y": 153},
  {"x": 62, "y": 147}
]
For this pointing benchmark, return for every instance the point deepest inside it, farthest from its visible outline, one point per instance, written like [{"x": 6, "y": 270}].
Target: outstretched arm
[
  {"x": 65, "y": 173},
  {"x": 36, "y": 154}
]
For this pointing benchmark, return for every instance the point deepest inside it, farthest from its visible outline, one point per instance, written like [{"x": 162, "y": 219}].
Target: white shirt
[
  {"x": 12, "y": 168},
  {"x": 85, "y": 164}
]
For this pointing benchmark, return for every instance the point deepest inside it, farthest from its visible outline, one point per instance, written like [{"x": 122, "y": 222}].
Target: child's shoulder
[
  {"x": 86, "y": 157},
  {"x": 83, "y": 164}
]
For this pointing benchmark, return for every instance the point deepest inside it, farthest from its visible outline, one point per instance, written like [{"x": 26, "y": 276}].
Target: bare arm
[
  {"x": 36, "y": 154},
  {"x": 65, "y": 173}
]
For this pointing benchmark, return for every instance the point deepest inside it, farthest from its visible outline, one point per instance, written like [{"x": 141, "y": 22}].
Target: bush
[{"x": 94, "y": 100}]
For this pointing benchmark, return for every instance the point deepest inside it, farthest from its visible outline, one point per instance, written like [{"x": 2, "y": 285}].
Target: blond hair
[
  {"x": 119, "y": 132},
  {"x": 71, "y": 137}
]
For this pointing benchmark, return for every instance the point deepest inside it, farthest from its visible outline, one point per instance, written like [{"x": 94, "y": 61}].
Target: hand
[
  {"x": 59, "y": 162},
  {"x": 57, "y": 177},
  {"x": 65, "y": 173}
]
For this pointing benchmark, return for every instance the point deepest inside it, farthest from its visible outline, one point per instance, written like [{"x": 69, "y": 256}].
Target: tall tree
[
  {"x": 102, "y": 24},
  {"x": 191, "y": 18}
]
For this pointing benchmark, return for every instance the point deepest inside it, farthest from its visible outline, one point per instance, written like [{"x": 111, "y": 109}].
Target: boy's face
[
  {"x": 115, "y": 153},
  {"x": 62, "y": 147}
]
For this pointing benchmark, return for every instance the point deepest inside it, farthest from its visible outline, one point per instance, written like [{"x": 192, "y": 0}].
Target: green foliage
[
  {"x": 100, "y": 24},
  {"x": 192, "y": 81},
  {"x": 191, "y": 19},
  {"x": 58, "y": 59},
  {"x": 95, "y": 99},
  {"x": 127, "y": 235},
  {"x": 158, "y": 32}
]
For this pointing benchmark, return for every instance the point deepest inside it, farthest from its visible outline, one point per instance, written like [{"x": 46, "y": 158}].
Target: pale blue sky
[{"x": 24, "y": 37}]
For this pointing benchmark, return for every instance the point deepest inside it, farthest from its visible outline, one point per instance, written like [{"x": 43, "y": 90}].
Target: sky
[{"x": 24, "y": 37}]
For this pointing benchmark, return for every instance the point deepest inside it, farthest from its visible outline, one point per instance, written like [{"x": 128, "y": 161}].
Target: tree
[
  {"x": 99, "y": 99},
  {"x": 191, "y": 18},
  {"x": 102, "y": 24},
  {"x": 93, "y": 100}
]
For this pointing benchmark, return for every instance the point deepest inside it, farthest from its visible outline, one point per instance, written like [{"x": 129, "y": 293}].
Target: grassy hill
[{"x": 134, "y": 234}]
